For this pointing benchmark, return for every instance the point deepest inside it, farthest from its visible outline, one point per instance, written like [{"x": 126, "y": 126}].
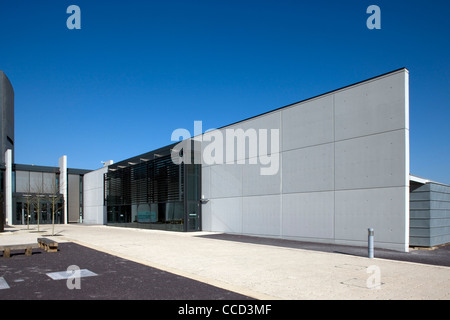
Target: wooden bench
[
  {"x": 28, "y": 247},
  {"x": 48, "y": 244}
]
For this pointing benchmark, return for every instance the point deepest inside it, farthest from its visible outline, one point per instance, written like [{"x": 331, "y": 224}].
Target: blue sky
[{"x": 137, "y": 70}]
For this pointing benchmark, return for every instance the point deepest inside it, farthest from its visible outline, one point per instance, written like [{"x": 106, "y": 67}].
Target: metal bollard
[{"x": 370, "y": 244}]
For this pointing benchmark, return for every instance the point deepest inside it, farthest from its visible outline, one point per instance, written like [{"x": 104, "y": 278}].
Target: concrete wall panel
[
  {"x": 379, "y": 208},
  {"x": 252, "y": 131},
  {"x": 266, "y": 123},
  {"x": 308, "y": 169},
  {"x": 226, "y": 215},
  {"x": 261, "y": 215},
  {"x": 307, "y": 124},
  {"x": 308, "y": 215},
  {"x": 371, "y": 161},
  {"x": 206, "y": 182},
  {"x": 208, "y": 146},
  {"x": 226, "y": 180},
  {"x": 253, "y": 183},
  {"x": 94, "y": 211},
  {"x": 344, "y": 168},
  {"x": 371, "y": 107}
]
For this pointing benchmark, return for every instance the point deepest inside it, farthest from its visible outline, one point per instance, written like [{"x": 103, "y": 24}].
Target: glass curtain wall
[
  {"x": 151, "y": 194},
  {"x": 36, "y": 198}
]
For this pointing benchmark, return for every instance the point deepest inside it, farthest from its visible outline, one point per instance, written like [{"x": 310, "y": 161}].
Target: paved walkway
[{"x": 260, "y": 271}]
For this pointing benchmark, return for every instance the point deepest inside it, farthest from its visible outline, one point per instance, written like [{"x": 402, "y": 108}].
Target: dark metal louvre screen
[
  {"x": 166, "y": 181},
  {"x": 139, "y": 183},
  {"x": 153, "y": 181}
]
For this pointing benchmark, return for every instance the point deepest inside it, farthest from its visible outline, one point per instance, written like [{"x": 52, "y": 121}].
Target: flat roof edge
[
  {"x": 404, "y": 69},
  {"x": 321, "y": 95},
  {"x": 36, "y": 168},
  {"x": 424, "y": 180}
]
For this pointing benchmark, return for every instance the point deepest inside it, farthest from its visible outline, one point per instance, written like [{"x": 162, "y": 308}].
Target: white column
[
  {"x": 63, "y": 184},
  {"x": 8, "y": 187},
  {"x": 407, "y": 162}
]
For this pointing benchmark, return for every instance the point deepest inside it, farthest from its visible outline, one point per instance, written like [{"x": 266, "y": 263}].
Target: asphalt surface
[
  {"x": 116, "y": 279},
  {"x": 438, "y": 256}
]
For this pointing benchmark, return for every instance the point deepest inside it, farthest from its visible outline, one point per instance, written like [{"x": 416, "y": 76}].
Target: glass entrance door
[
  {"x": 27, "y": 212},
  {"x": 193, "y": 218},
  {"x": 40, "y": 213}
]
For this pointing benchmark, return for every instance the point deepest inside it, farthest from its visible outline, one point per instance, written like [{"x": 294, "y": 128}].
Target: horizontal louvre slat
[{"x": 158, "y": 180}]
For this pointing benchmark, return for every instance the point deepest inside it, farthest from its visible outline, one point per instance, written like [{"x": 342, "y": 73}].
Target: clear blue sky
[{"x": 137, "y": 70}]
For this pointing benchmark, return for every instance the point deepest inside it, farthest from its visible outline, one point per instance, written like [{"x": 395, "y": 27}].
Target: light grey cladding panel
[
  {"x": 371, "y": 161},
  {"x": 206, "y": 216},
  {"x": 212, "y": 140},
  {"x": 308, "y": 169},
  {"x": 252, "y": 130},
  {"x": 226, "y": 180},
  {"x": 371, "y": 107},
  {"x": 352, "y": 142},
  {"x": 309, "y": 123},
  {"x": 93, "y": 193},
  {"x": 382, "y": 209},
  {"x": 254, "y": 183},
  {"x": 261, "y": 215},
  {"x": 206, "y": 182},
  {"x": 206, "y": 207},
  {"x": 308, "y": 215},
  {"x": 226, "y": 215}
]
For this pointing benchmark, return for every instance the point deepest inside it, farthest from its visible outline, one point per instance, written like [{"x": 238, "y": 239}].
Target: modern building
[
  {"x": 34, "y": 194},
  {"x": 6, "y": 141},
  {"x": 323, "y": 170},
  {"x": 50, "y": 194},
  {"x": 151, "y": 191}
]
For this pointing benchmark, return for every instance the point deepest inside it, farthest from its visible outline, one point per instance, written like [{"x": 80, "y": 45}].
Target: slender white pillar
[
  {"x": 407, "y": 163},
  {"x": 63, "y": 185},
  {"x": 8, "y": 187}
]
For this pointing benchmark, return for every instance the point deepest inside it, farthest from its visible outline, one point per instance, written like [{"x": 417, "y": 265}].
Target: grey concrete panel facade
[
  {"x": 308, "y": 124},
  {"x": 308, "y": 216},
  {"x": 343, "y": 168},
  {"x": 374, "y": 161},
  {"x": 309, "y": 169}
]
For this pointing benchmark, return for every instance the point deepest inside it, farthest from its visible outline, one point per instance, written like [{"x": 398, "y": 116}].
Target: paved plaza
[{"x": 151, "y": 264}]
